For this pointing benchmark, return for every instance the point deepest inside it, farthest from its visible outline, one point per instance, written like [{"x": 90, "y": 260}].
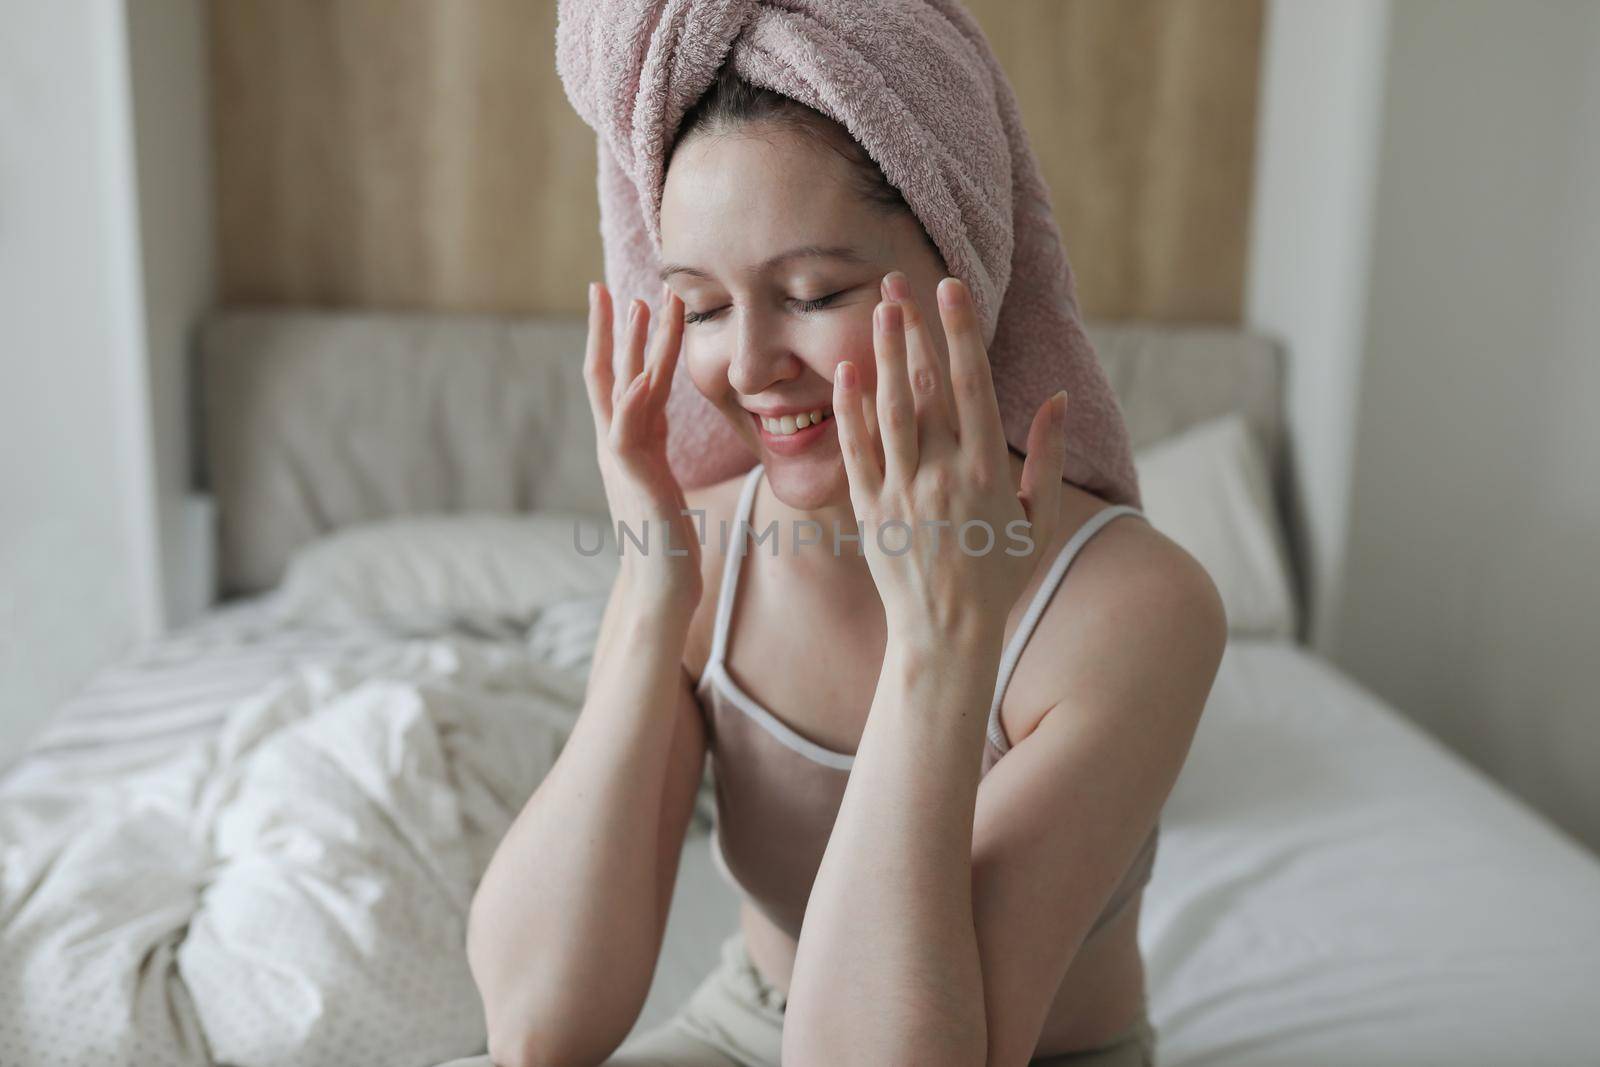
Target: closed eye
[{"x": 802, "y": 305}]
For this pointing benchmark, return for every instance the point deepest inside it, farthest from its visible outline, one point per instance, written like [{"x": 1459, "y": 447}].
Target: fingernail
[
  {"x": 889, "y": 317},
  {"x": 896, "y": 285},
  {"x": 950, "y": 293},
  {"x": 1060, "y": 400},
  {"x": 845, "y": 375}
]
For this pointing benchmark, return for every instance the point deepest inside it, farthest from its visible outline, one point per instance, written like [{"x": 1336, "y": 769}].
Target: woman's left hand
[{"x": 944, "y": 483}]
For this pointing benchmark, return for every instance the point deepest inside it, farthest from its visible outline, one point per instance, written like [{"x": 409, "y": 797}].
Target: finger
[
  {"x": 930, "y": 378},
  {"x": 977, "y": 411},
  {"x": 598, "y": 375},
  {"x": 629, "y": 426},
  {"x": 855, "y": 442},
  {"x": 628, "y": 358},
  {"x": 1042, "y": 470},
  {"x": 666, "y": 346},
  {"x": 666, "y": 351},
  {"x": 869, "y": 410},
  {"x": 897, "y": 410}
]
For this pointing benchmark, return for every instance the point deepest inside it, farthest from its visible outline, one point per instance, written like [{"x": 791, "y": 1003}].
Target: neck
[{"x": 818, "y": 558}]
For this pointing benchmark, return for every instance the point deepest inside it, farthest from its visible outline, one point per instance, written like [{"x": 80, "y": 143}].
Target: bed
[{"x": 254, "y": 841}]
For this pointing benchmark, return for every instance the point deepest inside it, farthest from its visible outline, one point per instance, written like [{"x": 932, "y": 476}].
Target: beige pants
[{"x": 735, "y": 1019}]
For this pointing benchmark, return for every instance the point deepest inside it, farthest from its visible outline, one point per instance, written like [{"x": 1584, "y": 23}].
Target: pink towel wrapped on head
[{"x": 916, "y": 84}]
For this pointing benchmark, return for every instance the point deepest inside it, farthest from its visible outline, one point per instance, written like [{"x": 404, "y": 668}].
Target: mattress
[{"x": 256, "y": 844}]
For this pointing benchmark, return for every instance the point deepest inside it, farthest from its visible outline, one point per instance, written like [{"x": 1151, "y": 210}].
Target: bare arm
[
  {"x": 567, "y": 924},
  {"x": 892, "y": 903}
]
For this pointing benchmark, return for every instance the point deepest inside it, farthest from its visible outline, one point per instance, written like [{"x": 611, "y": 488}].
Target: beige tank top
[{"x": 778, "y": 792}]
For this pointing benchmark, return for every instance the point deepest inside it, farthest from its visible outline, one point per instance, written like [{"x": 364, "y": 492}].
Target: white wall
[
  {"x": 1317, "y": 139},
  {"x": 1473, "y": 569},
  {"x": 171, "y": 109},
  {"x": 1426, "y": 240},
  {"x": 104, "y": 259},
  {"x": 76, "y": 527}
]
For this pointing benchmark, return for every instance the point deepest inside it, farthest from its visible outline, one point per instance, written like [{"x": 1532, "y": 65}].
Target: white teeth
[{"x": 788, "y": 424}]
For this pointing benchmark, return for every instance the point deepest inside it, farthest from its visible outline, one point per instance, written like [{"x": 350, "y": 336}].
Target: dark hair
[{"x": 732, "y": 104}]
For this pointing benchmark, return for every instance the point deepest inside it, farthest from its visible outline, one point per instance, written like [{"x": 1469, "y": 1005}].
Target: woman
[{"x": 958, "y": 907}]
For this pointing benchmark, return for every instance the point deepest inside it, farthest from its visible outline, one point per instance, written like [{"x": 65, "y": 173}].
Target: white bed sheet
[
  {"x": 1333, "y": 887},
  {"x": 256, "y": 844},
  {"x": 142, "y": 710}
]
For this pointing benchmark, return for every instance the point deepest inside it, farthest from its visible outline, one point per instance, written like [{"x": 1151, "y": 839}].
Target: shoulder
[
  {"x": 716, "y": 504},
  {"x": 1134, "y": 609},
  {"x": 1131, "y": 572}
]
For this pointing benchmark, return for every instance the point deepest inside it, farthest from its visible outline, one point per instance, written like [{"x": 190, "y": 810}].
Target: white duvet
[{"x": 291, "y": 889}]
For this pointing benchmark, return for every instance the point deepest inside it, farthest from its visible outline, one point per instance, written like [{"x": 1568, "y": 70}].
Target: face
[{"x": 764, "y": 330}]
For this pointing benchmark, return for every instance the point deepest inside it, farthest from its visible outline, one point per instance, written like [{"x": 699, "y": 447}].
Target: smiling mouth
[{"x": 785, "y": 425}]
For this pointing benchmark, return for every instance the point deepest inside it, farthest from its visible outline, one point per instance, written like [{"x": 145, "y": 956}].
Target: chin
[{"x": 808, "y": 482}]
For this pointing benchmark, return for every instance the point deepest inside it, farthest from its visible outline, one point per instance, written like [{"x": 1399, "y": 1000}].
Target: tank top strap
[
  {"x": 730, "y": 570},
  {"x": 1041, "y": 599}
]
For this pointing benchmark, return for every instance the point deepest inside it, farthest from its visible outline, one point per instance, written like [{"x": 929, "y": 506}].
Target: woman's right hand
[{"x": 628, "y": 397}]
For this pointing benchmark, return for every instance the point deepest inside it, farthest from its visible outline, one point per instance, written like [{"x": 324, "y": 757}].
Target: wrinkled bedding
[{"x": 265, "y": 854}]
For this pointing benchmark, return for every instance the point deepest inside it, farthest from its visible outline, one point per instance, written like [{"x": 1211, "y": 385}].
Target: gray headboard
[{"x": 313, "y": 420}]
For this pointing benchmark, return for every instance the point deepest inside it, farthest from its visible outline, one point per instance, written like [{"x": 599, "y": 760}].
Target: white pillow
[
  {"x": 1209, "y": 490},
  {"x": 425, "y": 571},
  {"x": 1206, "y": 488}
]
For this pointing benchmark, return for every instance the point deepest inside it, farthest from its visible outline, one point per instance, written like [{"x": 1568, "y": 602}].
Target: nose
[{"x": 761, "y": 355}]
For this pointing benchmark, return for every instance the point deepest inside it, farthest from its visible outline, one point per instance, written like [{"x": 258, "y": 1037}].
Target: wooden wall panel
[
  {"x": 1142, "y": 113},
  {"x": 416, "y": 153},
  {"x": 404, "y": 153}
]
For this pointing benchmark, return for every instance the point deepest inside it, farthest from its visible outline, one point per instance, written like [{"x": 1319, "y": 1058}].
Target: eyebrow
[{"x": 844, "y": 252}]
